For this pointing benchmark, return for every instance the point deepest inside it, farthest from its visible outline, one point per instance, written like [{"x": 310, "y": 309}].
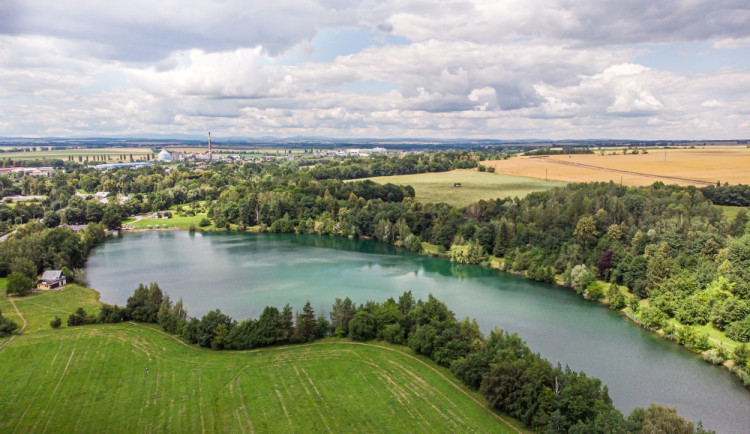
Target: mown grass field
[
  {"x": 475, "y": 185},
  {"x": 697, "y": 166},
  {"x": 174, "y": 222},
  {"x": 94, "y": 378}
]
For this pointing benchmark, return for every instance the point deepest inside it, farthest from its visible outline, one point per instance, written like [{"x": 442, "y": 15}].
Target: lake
[{"x": 242, "y": 273}]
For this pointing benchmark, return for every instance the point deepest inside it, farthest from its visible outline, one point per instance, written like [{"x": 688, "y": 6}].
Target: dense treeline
[
  {"x": 512, "y": 378},
  {"x": 732, "y": 195},
  {"x": 567, "y": 150},
  {"x": 352, "y": 168}
]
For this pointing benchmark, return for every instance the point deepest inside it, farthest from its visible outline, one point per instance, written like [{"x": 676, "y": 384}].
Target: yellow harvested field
[{"x": 683, "y": 166}]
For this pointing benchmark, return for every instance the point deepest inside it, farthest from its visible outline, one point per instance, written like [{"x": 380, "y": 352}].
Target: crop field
[
  {"x": 135, "y": 378},
  {"x": 113, "y": 153},
  {"x": 701, "y": 166},
  {"x": 475, "y": 185}
]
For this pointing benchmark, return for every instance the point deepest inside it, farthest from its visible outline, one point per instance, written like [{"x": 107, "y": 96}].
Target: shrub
[
  {"x": 56, "y": 323},
  {"x": 204, "y": 222},
  {"x": 595, "y": 291},
  {"x": 77, "y": 318},
  {"x": 191, "y": 227},
  {"x": 740, "y": 330},
  {"x": 7, "y": 325}
]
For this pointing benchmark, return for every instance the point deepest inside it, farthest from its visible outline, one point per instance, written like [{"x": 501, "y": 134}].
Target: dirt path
[
  {"x": 23, "y": 327},
  {"x": 628, "y": 172}
]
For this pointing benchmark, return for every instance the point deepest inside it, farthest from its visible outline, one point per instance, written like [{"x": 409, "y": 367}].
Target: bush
[
  {"x": 595, "y": 291},
  {"x": 204, "y": 222},
  {"x": 77, "y": 318},
  {"x": 7, "y": 325},
  {"x": 740, "y": 330},
  {"x": 692, "y": 339},
  {"x": 716, "y": 357},
  {"x": 191, "y": 227},
  {"x": 56, "y": 323}
]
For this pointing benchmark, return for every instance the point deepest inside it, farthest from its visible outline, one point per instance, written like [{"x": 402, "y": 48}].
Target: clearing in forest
[{"x": 474, "y": 185}]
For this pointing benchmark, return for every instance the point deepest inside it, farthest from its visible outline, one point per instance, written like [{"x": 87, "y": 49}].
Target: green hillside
[{"x": 135, "y": 378}]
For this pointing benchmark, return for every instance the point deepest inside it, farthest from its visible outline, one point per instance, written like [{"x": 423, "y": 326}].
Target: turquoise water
[{"x": 242, "y": 273}]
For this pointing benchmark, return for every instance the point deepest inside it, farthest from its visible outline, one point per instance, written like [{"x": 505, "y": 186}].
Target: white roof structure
[{"x": 164, "y": 155}]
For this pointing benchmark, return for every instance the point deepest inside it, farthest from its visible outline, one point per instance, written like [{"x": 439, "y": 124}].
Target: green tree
[
  {"x": 308, "y": 324},
  {"x": 585, "y": 230},
  {"x": 56, "y": 323},
  {"x": 25, "y": 266},
  {"x": 342, "y": 312},
  {"x": 660, "y": 419},
  {"x": 18, "y": 284}
]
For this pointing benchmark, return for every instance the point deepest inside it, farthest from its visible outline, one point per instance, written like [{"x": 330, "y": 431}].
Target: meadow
[
  {"x": 176, "y": 222},
  {"x": 699, "y": 166},
  {"x": 135, "y": 378},
  {"x": 475, "y": 185}
]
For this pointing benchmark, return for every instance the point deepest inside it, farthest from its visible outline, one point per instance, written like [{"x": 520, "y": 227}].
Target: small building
[
  {"x": 165, "y": 156},
  {"x": 51, "y": 279}
]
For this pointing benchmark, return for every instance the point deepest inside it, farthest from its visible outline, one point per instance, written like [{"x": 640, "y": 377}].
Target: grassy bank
[{"x": 135, "y": 378}]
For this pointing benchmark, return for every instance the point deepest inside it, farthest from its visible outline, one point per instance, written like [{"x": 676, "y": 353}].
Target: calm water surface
[{"x": 242, "y": 273}]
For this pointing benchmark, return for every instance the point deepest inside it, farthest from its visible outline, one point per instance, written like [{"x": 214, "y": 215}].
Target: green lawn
[
  {"x": 94, "y": 378},
  {"x": 475, "y": 185},
  {"x": 41, "y": 307},
  {"x": 174, "y": 222},
  {"x": 716, "y": 336}
]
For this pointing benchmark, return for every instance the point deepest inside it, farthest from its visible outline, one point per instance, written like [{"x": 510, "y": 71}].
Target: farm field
[
  {"x": 94, "y": 378},
  {"x": 683, "y": 166},
  {"x": 63, "y": 154},
  {"x": 475, "y": 185}
]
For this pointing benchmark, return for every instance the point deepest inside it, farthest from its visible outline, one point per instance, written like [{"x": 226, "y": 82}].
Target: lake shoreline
[{"x": 491, "y": 265}]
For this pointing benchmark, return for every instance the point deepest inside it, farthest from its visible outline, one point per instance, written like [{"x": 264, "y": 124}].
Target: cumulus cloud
[{"x": 456, "y": 68}]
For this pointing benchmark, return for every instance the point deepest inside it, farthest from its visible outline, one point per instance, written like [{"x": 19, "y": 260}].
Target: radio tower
[{"x": 209, "y": 146}]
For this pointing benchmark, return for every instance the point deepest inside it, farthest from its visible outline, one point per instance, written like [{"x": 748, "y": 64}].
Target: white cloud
[{"x": 461, "y": 68}]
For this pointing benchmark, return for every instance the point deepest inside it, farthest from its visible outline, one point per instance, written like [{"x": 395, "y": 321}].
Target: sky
[{"x": 492, "y": 69}]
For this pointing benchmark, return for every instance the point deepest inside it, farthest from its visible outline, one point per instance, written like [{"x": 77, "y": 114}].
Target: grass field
[
  {"x": 698, "y": 166},
  {"x": 731, "y": 211},
  {"x": 475, "y": 185},
  {"x": 94, "y": 378},
  {"x": 175, "y": 222},
  {"x": 62, "y": 154}
]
